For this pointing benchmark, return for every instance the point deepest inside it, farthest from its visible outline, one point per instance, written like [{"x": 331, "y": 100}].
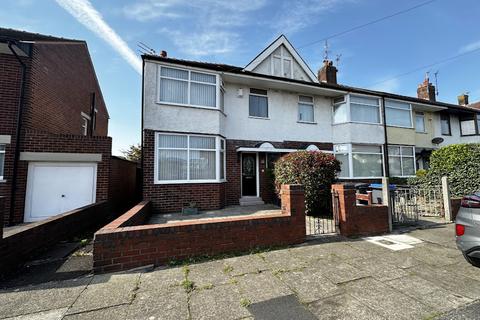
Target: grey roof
[{"x": 12, "y": 34}]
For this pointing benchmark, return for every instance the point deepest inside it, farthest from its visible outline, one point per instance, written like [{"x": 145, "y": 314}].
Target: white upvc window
[
  {"x": 398, "y": 114},
  {"x": 356, "y": 108},
  {"x": 2, "y": 161},
  {"x": 181, "y": 158},
  {"x": 85, "y": 119},
  {"x": 401, "y": 161},
  {"x": 359, "y": 161},
  {"x": 420, "y": 122},
  {"x": 281, "y": 64},
  {"x": 258, "y": 103},
  {"x": 306, "y": 109},
  {"x": 188, "y": 87}
]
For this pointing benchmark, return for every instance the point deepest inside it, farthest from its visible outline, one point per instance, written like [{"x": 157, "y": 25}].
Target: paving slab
[
  {"x": 47, "y": 296},
  {"x": 400, "y": 259},
  {"x": 342, "y": 307},
  {"x": 151, "y": 305},
  {"x": 386, "y": 301},
  {"x": 434, "y": 254},
  {"x": 117, "y": 313},
  {"x": 208, "y": 273},
  {"x": 106, "y": 290},
  {"x": 469, "y": 312},
  {"x": 262, "y": 286},
  {"x": 161, "y": 279},
  {"x": 312, "y": 253},
  {"x": 339, "y": 272},
  {"x": 465, "y": 269},
  {"x": 55, "y": 314},
  {"x": 252, "y": 263},
  {"x": 283, "y": 260},
  {"x": 282, "y": 308},
  {"x": 344, "y": 251},
  {"x": 219, "y": 302},
  {"x": 309, "y": 284},
  {"x": 428, "y": 293},
  {"x": 379, "y": 270}
]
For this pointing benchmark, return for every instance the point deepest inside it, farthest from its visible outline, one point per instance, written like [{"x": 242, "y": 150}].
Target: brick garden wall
[
  {"x": 130, "y": 247},
  {"x": 17, "y": 247},
  {"x": 359, "y": 220}
]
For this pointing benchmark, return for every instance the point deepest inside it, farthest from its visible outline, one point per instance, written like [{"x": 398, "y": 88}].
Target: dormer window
[{"x": 282, "y": 63}]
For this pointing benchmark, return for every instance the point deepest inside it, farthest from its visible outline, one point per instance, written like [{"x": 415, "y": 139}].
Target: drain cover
[{"x": 282, "y": 308}]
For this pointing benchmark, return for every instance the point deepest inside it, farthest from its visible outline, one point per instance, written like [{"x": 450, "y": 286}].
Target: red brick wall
[
  {"x": 37, "y": 141},
  {"x": 358, "y": 220},
  {"x": 63, "y": 79},
  {"x": 130, "y": 247},
  {"x": 2, "y": 212},
  {"x": 167, "y": 198},
  {"x": 18, "y": 247},
  {"x": 123, "y": 191}
]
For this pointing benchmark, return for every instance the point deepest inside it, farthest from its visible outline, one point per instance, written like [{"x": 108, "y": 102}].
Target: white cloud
[
  {"x": 470, "y": 47},
  {"x": 392, "y": 85},
  {"x": 85, "y": 13},
  {"x": 299, "y": 14}
]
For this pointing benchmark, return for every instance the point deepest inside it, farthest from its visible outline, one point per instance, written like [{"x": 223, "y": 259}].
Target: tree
[
  {"x": 133, "y": 153},
  {"x": 316, "y": 171}
]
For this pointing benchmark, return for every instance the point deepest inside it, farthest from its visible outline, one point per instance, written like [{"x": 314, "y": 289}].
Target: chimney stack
[
  {"x": 426, "y": 90},
  {"x": 463, "y": 99},
  {"x": 163, "y": 54},
  {"x": 328, "y": 73}
]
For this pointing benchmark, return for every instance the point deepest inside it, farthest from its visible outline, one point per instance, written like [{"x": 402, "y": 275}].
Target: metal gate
[
  {"x": 408, "y": 204},
  {"x": 325, "y": 224}
]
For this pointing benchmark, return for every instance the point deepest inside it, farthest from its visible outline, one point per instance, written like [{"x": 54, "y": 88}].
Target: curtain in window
[
  {"x": 398, "y": 117},
  {"x": 258, "y": 106},
  {"x": 364, "y": 113},
  {"x": 202, "y": 165},
  {"x": 172, "y": 164},
  {"x": 202, "y": 94},
  {"x": 203, "y": 77},
  {"x": 202, "y": 142},
  {"x": 340, "y": 113},
  {"x": 468, "y": 127},
  {"x": 344, "y": 167},
  {"x": 172, "y": 141},
  {"x": 174, "y": 73},
  {"x": 173, "y": 91},
  {"x": 305, "y": 112}
]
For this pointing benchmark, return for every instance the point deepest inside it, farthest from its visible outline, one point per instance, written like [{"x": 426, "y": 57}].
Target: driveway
[{"x": 339, "y": 279}]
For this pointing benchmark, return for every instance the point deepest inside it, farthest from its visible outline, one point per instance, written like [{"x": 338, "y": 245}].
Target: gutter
[{"x": 17, "y": 134}]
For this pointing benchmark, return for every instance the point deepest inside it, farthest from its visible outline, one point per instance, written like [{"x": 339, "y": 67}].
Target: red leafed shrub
[{"x": 316, "y": 171}]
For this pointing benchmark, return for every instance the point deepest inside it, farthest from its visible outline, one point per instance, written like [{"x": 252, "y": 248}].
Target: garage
[{"x": 55, "y": 187}]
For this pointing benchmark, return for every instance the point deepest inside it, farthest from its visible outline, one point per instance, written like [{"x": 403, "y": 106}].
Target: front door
[{"x": 249, "y": 174}]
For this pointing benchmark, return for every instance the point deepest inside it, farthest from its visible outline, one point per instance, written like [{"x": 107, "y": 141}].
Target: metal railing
[
  {"x": 408, "y": 204},
  {"x": 325, "y": 223}
]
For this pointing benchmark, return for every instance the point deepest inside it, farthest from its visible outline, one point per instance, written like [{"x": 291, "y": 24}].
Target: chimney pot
[
  {"x": 328, "y": 73},
  {"x": 163, "y": 54},
  {"x": 463, "y": 99}
]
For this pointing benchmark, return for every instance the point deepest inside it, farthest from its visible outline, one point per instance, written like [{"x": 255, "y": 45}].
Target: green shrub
[
  {"x": 316, "y": 171},
  {"x": 459, "y": 162}
]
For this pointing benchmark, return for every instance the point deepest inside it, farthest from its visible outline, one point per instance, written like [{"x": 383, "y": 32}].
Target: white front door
[{"x": 54, "y": 188}]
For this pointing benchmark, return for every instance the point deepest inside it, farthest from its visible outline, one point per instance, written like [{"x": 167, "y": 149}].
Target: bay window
[
  {"x": 180, "y": 86},
  {"x": 360, "y": 161},
  {"x": 398, "y": 114},
  {"x": 305, "y": 109},
  {"x": 353, "y": 108},
  {"x": 401, "y": 161},
  {"x": 2, "y": 160},
  {"x": 189, "y": 158}
]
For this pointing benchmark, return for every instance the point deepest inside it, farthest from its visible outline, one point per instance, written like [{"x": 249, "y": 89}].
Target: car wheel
[{"x": 473, "y": 261}]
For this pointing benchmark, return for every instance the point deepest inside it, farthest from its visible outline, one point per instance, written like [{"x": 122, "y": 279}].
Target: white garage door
[{"x": 54, "y": 188}]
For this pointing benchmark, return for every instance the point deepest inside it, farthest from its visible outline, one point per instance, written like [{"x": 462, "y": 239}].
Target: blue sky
[{"x": 234, "y": 32}]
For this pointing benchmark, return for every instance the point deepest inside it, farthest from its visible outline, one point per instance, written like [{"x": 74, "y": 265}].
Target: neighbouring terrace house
[
  {"x": 212, "y": 132},
  {"x": 54, "y": 149}
]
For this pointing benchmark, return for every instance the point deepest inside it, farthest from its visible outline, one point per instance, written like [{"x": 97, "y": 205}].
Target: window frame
[
  {"x": 312, "y": 104},
  {"x": 475, "y": 123},
  {"x": 401, "y": 156},
  {"x": 3, "y": 151},
  {"x": 350, "y": 153},
  {"x": 85, "y": 119},
  {"x": 189, "y": 81},
  {"x": 258, "y": 95},
  {"x": 217, "y": 150},
  {"x": 422, "y": 115},
  {"x": 448, "y": 118},
  {"x": 347, "y": 101},
  {"x": 397, "y": 108},
  {"x": 282, "y": 58}
]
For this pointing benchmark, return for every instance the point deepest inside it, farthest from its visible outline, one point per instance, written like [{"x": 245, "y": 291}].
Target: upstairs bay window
[
  {"x": 305, "y": 109},
  {"x": 189, "y": 158},
  {"x": 398, "y": 114},
  {"x": 360, "y": 161},
  {"x": 359, "y": 109},
  {"x": 186, "y": 87},
  {"x": 401, "y": 161}
]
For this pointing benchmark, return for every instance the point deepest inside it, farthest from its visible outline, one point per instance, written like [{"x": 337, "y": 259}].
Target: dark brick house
[{"x": 54, "y": 149}]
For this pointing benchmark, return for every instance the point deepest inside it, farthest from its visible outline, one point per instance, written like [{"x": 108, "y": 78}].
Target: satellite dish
[{"x": 437, "y": 140}]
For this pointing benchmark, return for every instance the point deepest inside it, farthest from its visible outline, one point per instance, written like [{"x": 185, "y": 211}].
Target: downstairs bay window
[
  {"x": 189, "y": 158},
  {"x": 401, "y": 161},
  {"x": 359, "y": 161}
]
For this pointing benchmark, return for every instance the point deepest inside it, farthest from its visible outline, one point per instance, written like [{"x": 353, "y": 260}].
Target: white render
[{"x": 358, "y": 133}]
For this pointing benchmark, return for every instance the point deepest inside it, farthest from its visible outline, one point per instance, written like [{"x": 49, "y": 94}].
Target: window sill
[
  {"x": 469, "y": 135},
  {"x": 3, "y": 181},
  {"x": 306, "y": 122},
  {"x": 187, "y": 106},
  {"x": 402, "y": 127},
  {"x": 358, "y": 178},
  {"x": 259, "y": 118},
  {"x": 423, "y": 132},
  {"x": 357, "y": 122},
  {"x": 188, "y": 182}
]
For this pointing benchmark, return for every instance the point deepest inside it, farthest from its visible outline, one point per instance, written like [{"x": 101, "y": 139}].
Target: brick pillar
[
  {"x": 2, "y": 211},
  {"x": 347, "y": 200},
  {"x": 293, "y": 203}
]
